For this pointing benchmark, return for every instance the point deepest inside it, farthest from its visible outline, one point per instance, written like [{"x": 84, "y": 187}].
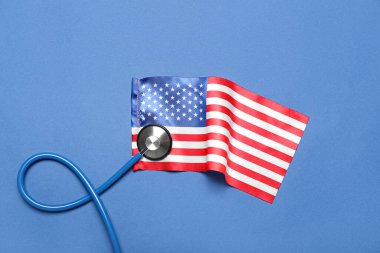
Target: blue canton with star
[{"x": 169, "y": 101}]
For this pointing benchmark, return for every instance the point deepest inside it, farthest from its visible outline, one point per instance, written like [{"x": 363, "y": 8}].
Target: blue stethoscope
[{"x": 153, "y": 141}]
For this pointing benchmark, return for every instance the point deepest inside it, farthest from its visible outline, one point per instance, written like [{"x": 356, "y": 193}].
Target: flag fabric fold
[{"x": 218, "y": 125}]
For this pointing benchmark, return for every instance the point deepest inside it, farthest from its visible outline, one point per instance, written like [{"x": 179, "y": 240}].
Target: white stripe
[
  {"x": 251, "y": 135},
  {"x": 253, "y": 120},
  {"x": 178, "y": 130},
  {"x": 222, "y": 145},
  {"x": 257, "y": 106},
  {"x": 219, "y": 159},
  {"x": 242, "y": 146}
]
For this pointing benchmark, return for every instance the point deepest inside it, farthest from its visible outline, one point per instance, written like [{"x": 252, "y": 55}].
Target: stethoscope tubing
[{"x": 93, "y": 193}]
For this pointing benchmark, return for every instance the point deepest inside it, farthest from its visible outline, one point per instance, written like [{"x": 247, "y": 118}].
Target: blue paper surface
[{"x": 65, "y": 71}]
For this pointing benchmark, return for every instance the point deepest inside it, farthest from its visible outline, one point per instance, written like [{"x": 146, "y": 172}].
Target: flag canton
[{"x": 170, "y": 101}]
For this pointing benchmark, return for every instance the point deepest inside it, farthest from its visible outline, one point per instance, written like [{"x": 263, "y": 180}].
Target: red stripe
[
  {"x": 259, "y": 99},
  {"x": 252, "y": 127},
  {"x": 170, "y": 166},
  {"x": 255, "y": 113},
  {"x": 184, "y": 151},
  {"x": 202, "y": 167},
  {"x": 182, "y": 137},
  {"x": 248, "y": 141}
]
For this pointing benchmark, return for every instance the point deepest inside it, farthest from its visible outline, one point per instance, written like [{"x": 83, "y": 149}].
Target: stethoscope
[{"x": 153, "y": 142}]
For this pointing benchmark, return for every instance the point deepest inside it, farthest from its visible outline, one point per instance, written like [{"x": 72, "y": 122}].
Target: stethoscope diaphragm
[{"x": 154, "y": 142}]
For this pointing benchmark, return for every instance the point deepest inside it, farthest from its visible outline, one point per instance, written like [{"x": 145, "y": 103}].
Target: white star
[
  {"x": 189, "y": 85},
  {"x": 166, "y": 85},
  {"x": 178, "y": 93},
  {"x": 178, "y": 101},
  {"x": 189, "y": 102},
  {"x": 184, "y": 114},
  {"x": 195, "y": 90},
  {"x": 195, "y": 114},
  {"x": 195, "y": 106},
  {"x": 172, "y": 89},
  {"x": 166, "y": 101},
  {"x": 166, "y": 109},
  {"x": 143, "y": 102},
  {"x": 190, "y": 93},
  {"x": 149, "y": 89},
  {"x": 160, "y": 97},
  {"x": 184, "y": 89},
  {"x": 178, "y": 85},
  {"x": 201, "y": 102},
  {"x": 160, "y": 113},
  {"x": 143, "y": 109},
  {"x": 154, "y": 85},
  {"x": 195, "y": 98},
  {"x": 149, "y": 106},
  {"x": 143, "y": 86},
  {"x": 149, "y": 113},
  {"x": 155, "y": 109},
  {"x": 149, "y": 98},
  {"x": 201, "y": 85},
  {"x": 183, "y": 98},
  {"x": 201, "y": 93},
  {"x": 172, "y": 106},
  {"x": 155, "y": 93},
  {"x": 178, "y": 118},
  {"x": 189, "y": 110},
  {"x": 143, "y": 94},
  {"x": 166, "y": 117},
  {"x": 155, "y": 117},
  {"x": 161, "y": 89},
  {"x": 172, "y": 97},
  {"x": 155, "y": 101},
  {"x": 166, "y": 93},
  {"x": 178, "y": 110},
  {"x": 200, "y": 118},
  {"x": 160, "y": 105},
  {"x": 172, "y": 114},
  {"x": 183, "y": 106},
  {"x": 190, "y": 118},
  {"x": 201, "y": 110}
]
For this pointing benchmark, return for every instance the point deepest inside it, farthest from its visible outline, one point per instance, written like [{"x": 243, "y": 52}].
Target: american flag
[{"x": 218, "y": 125}]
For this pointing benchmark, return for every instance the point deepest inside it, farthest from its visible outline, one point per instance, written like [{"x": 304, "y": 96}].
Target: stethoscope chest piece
[{"x": 154, "y": 141}]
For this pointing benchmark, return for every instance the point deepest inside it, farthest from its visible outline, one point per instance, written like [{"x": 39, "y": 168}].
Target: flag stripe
[
  {"x": 253, "y": 129},
  {"x": 254, "y": 121},
  {"x": 256, "y": 105},
  {"x": 254, "y": 113},
  {"x": 248, "y": 137},
  {"x": 260, "y": 99}
]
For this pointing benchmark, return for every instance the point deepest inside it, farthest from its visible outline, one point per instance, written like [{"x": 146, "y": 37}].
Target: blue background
[{"x": 65, "y": 72}]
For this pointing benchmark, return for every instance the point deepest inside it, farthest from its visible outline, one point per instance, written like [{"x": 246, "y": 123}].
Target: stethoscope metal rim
[{"x": 164, "y": 140}]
